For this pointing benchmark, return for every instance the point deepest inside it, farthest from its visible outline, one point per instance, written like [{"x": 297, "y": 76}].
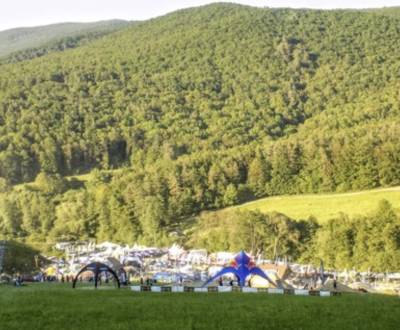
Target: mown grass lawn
[
  {"x": 59, "y": 307},
  {"x": 326, "y": 206}
]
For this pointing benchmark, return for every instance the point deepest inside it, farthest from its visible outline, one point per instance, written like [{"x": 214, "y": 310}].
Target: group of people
[
  {"x": 148, "y": 281},
  {"x": 43, "y": 277},
  {"x": 231, "y": 282},
  {"x": 66, "y": 278}
]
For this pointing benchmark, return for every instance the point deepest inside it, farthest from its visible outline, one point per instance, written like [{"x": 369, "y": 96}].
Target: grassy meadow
[
  {"x": 326, "y": 206},
  {"x": 39, "y": 306}
]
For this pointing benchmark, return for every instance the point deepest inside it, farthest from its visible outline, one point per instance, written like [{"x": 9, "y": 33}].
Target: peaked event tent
[{"x": 242, "y": 267}]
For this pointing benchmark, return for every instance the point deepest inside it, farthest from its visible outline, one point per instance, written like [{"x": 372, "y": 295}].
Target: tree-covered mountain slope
[
  {"x": 210, "y": 78},
  {"x": 30, "y": 39},
  {"x": 200, "y": 109}
]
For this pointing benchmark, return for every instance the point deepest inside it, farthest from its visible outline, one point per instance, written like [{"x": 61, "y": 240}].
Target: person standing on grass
[
  {"x": 220, "y": 282},
  {"x": 18, "y": 281},
  {"x": 123, "y": 278}
]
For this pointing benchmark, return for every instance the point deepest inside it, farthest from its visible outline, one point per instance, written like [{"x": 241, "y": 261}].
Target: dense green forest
[
  {"x": 48, "y": 37},
  {"x": 200, "y": 109}
]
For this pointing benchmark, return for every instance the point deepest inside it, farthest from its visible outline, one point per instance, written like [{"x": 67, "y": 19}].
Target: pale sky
[{"x": 18, "y": 13}]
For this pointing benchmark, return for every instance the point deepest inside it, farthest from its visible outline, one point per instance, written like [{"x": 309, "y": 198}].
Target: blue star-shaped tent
[{"x": 242, "y": 267}]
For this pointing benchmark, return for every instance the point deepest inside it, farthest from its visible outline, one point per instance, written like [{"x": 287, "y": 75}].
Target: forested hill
[
  {"x": 37, "y": 39},
  {"x": 202, "y": 108},
  {"x": 388, "y": 11}
]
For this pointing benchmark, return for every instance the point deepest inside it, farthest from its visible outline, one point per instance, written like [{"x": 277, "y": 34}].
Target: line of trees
[{"x": 369, "y": 242}]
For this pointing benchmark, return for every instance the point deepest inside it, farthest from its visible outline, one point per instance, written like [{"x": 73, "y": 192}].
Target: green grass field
[
  {"x": 326, "y": 206},
  {"x": 56, "y": 307}
]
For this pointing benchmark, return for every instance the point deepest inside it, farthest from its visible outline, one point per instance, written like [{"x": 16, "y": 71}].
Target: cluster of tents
[{"x": 242, "y": 268}]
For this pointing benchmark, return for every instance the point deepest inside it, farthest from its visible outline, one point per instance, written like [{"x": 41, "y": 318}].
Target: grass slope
[
  {"x": 57, "y": 307},
  {"x": 14, "y": 40},
  {"x": 326, "y": 206}
]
